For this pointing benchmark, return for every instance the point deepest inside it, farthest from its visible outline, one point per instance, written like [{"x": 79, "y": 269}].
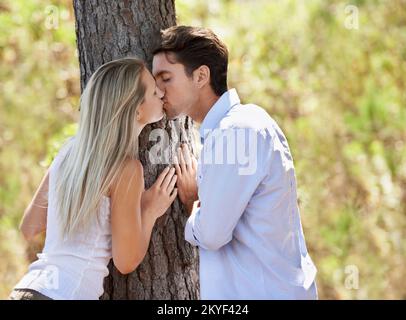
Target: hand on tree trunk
[
  {"x": 157, "y": 199},
  {"x": 186, "y": 166}
]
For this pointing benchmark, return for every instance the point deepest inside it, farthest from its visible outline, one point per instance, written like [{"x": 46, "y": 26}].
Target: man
[{"x": 247, "y": 223}]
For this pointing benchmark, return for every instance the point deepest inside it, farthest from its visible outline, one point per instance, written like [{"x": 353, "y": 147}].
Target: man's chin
[{"x": 172, "y": 116}]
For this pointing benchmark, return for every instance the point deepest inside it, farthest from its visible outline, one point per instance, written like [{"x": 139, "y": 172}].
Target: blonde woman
[{"x": 92, "y": 201}]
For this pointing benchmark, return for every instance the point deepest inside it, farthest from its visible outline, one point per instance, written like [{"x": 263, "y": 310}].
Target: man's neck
[{"x": 204, "y": 107}]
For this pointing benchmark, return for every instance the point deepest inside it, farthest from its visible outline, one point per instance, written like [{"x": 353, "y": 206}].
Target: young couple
[{"x": 93, "y": 205}]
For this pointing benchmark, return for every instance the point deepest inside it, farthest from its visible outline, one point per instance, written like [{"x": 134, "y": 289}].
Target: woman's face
[{"x": 151, "y": 109}]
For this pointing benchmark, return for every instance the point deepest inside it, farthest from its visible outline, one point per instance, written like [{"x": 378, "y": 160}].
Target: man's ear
[{"x": 202, "y": 76}]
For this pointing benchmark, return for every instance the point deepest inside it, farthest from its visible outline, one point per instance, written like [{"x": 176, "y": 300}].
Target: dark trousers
[{"x": 27, "y": 294}]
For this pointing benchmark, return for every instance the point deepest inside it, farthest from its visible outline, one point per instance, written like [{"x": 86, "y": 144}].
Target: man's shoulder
[
  {"x": 248, "y": 116},
  {"x": 253, "y": 118}
]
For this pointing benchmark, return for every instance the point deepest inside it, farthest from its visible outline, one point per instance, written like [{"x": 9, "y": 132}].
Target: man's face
[{"x": 180, "y": 91}]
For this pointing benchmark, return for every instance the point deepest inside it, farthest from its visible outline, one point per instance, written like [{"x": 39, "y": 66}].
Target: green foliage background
[{"x": 338, "y": 93}]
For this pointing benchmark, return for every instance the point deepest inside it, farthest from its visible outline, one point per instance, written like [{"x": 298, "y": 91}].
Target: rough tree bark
[{"x": 108, "y": 30}]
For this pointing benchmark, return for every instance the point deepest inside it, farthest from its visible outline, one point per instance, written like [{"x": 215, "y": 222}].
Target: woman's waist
[
  {"x": 61, "y": 283},
  {"x": 73, "y": 263}
]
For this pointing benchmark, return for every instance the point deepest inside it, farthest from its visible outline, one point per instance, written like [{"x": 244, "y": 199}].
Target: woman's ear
[
  {"x": 138, "y": 113},
  {"x": 202, "y": 76}
]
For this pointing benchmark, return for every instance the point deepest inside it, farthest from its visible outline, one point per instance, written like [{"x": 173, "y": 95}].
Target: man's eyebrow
[{"x": 160, "y": 73}]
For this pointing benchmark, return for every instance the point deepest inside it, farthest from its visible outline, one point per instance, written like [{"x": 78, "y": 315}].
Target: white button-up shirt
[{"x": 248, "y": 226}]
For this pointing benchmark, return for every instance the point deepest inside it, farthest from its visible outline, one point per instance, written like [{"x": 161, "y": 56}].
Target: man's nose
[{"x": 160, "y": 93}]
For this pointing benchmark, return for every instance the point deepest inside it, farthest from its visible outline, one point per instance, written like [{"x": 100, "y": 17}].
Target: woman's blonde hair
[{"x": 107, "y": 135}]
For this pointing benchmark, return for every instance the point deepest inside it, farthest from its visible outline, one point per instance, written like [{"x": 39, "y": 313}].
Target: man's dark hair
[{"x": 194, "y": 47}]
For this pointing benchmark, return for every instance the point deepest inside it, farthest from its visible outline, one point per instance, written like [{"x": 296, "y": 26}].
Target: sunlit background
[{"x": 331, "y": 73}]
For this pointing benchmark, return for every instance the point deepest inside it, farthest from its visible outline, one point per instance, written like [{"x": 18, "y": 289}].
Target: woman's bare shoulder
[{"x": 130, "y": 177}]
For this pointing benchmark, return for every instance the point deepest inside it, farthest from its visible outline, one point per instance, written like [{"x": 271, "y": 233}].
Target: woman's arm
[
  {"x": 34, "y": 220},
  {"x": 132, "y": 225}
]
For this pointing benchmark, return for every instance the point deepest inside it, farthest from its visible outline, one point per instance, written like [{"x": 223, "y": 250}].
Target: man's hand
[{"x": 186, "y": 166}]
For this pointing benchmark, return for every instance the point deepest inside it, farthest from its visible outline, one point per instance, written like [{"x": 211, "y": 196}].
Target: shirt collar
[{"x": 227, "y": 100}]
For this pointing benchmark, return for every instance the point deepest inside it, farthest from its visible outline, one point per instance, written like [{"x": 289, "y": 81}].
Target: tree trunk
[{"x": 108, "y": 30}]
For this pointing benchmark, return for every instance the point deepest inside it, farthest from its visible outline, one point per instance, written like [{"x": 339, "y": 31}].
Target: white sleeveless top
[{"x": 73, "y": 268}]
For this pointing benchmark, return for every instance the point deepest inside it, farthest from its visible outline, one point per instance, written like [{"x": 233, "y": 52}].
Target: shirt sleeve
[{"x": 226, "y": 187}]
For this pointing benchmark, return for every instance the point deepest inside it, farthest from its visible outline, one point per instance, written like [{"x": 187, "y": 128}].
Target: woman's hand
[{"x": 157, "y": 199}]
